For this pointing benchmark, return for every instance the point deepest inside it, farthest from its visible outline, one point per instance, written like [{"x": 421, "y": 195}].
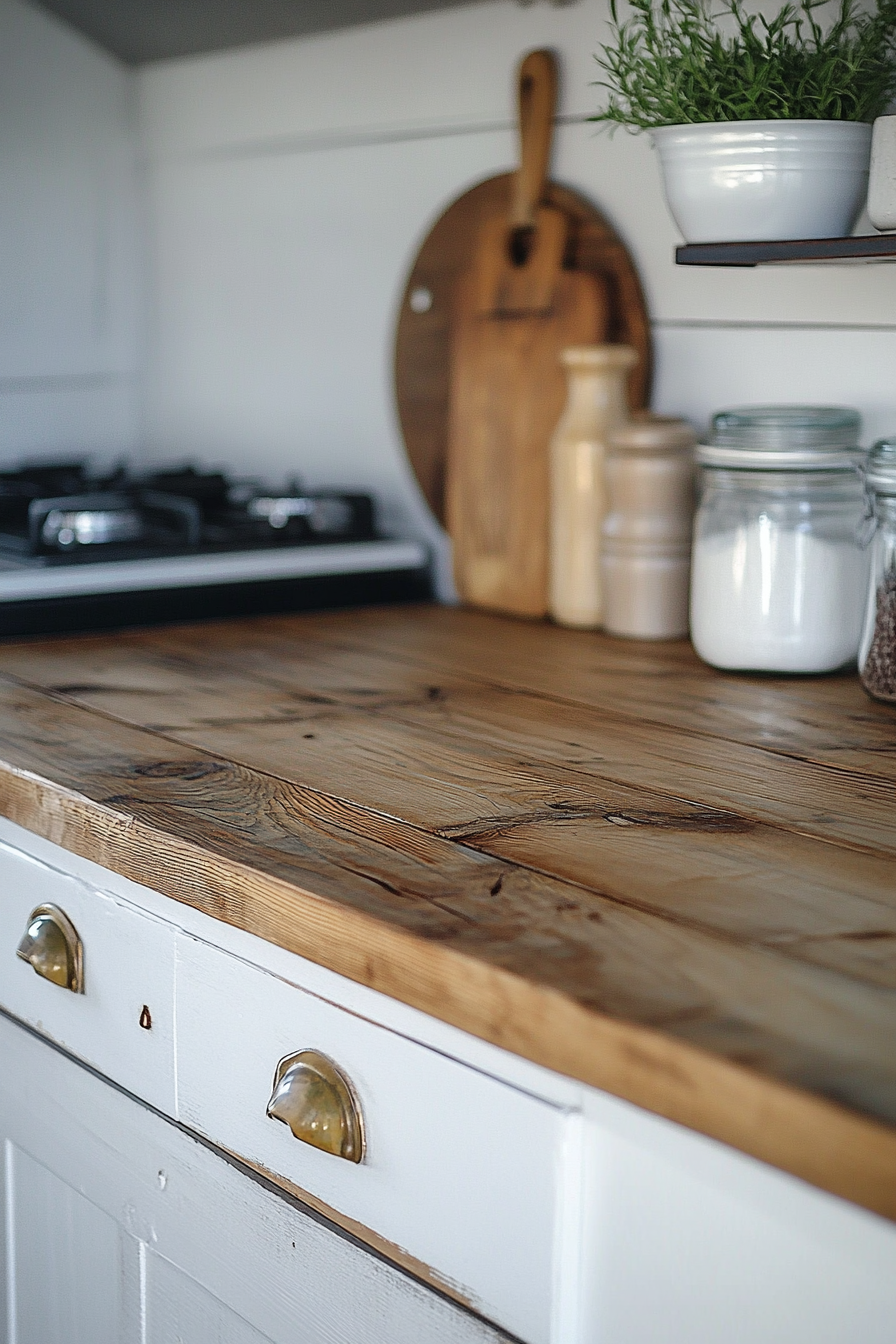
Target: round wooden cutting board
[{"x": 423, "y": 337}]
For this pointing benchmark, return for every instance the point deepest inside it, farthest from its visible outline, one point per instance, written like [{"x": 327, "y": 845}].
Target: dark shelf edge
[{"x": 868, "y": 247}]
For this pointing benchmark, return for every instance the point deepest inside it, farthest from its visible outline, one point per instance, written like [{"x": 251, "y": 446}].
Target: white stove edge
[{"x": 194, "y": 571}]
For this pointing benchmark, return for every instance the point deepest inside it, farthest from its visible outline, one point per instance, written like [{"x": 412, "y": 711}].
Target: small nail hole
[
  {"x": 420, "y": 299},
  {"x": 146, "y": 1019}
]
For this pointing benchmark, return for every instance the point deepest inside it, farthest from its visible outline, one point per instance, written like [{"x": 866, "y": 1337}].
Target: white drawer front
[
  {"x": 125, "y": 1230},
  {"x": 128, "y": 966},
  {"x": 461, "y": 1171}
]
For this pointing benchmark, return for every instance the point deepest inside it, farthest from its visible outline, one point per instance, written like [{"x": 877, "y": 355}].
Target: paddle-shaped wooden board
[
  {"x": 507, "y": 391},
  {"x": 424, "y": 328},
  {"x": 517, "y": 302}
]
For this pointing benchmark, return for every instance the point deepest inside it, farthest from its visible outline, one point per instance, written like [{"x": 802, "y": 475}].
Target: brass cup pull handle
[
  {"x": 53, "y": 947},
  {"x": 317, "y": 1102}
]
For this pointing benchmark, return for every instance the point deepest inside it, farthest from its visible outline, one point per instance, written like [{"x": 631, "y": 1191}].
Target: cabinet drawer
[
  {"x": 460, "y": 1171},
  {"x": 128, "y": 965}
]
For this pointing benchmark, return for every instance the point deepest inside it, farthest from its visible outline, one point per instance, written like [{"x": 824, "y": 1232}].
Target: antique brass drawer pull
[
  {"x": 318, "y": 1104},
  {"x": 53, "y": 947}
]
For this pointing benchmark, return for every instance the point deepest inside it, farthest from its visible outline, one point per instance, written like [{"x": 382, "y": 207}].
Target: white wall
[
  {"x": 289, "y": 186},
  {"x": 69, "y": 238}
]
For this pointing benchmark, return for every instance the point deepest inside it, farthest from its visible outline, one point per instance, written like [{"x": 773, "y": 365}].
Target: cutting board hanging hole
[
  {"x": 519, "y": 245},
  {"x": 420, "y": 299}
]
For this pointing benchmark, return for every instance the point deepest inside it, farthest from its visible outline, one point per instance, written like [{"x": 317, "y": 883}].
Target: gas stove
[{"x": 88, "y": 550}]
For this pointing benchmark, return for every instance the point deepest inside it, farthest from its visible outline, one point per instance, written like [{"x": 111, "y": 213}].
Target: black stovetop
[{"x": 64, "y": 513}]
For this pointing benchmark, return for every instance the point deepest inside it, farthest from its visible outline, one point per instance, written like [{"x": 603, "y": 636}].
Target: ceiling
[{"x": 149, "y": 30}]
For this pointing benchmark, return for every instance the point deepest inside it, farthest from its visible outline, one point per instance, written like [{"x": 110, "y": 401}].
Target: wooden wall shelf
[{"x": 868, "y": 247}]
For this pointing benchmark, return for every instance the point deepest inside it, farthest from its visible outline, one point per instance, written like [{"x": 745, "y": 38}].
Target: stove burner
[
  {"x": 61, "y": 512},
  {"x": 145, "y": 517},
  {"x": 278, "y": 511},
  {"x": 324, "y": 514},
  {"x": 90, "y": 527}
]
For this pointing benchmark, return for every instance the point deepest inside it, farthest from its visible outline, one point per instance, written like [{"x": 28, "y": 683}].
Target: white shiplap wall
[
  {"x": 70, "y": 273},
  {"x": 285, "y": 190},
  {"x": 289, "y": 186}
]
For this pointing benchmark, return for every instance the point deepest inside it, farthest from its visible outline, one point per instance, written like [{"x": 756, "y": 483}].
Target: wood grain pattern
[
  {"x": 508, "y": 388},
  {"x": 541, "y": 836},
  {"x": 536, "y": 108},
  {"x": 517, "y": 307},
  {"x": 828, "y": 719},
  {"x": 423, "y": 335},
  {"x": 839, "y": 909}
]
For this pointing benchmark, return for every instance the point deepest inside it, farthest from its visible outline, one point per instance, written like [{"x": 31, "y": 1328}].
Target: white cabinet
[
  {"x": 460, "y": 1170},
  {"x": 563, "y": 1215},
  {"x": 128, "y": 967},
  {"x": 689, "y": 1242},
  {"x": 122, "y": 1229}
]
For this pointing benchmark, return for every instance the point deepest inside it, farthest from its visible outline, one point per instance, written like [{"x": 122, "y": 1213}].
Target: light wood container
[
  {"x": 596, "y": 405},
  {"x": 646, "y": 551}
]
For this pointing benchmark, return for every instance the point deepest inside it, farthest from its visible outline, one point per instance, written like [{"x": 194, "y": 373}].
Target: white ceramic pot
[{"x": 754, "y": 181}]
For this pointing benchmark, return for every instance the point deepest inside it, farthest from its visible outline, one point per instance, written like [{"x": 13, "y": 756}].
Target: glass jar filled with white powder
[{"x": 779, "y": 574}]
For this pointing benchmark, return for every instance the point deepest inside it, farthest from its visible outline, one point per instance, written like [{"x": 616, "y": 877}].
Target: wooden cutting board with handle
[
  {"x": 516, "y": 308},
  {"x": 514, "y": 271}
]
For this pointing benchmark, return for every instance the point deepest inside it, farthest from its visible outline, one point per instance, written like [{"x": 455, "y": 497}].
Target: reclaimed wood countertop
[{"x": 675, "y": 885}]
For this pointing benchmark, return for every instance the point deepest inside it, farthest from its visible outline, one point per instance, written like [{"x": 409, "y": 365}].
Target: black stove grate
[{"x": 58, "y": 513}]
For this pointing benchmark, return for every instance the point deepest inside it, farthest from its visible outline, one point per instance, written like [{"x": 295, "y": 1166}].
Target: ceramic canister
[
  {"x": 596, "y": 405},
  {"x": 882, "y": 179},
  {"x": 646, "y": 557}
]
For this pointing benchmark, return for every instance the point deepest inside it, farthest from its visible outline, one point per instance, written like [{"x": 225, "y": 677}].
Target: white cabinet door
[
  {"x": 687, "y": 1241},
  {"x": 460, "y": 1171},
  {"x": 120, "y": 1228},
  {"x": 71, "y": 1270}
]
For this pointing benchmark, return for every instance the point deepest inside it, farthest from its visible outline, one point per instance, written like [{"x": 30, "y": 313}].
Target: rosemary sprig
[{"x": 679, "y": 61}]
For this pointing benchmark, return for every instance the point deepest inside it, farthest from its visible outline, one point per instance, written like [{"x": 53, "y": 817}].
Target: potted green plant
[{"x": 762, "y": 124}]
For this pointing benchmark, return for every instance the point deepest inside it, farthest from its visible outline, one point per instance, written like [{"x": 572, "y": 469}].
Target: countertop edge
[{"x": 816, "y": 1140}]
